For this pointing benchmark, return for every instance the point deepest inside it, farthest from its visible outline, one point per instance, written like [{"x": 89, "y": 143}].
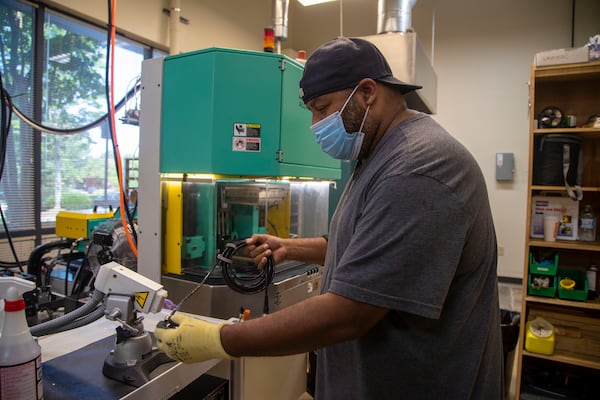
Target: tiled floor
[{"x": 510, "y": 296}]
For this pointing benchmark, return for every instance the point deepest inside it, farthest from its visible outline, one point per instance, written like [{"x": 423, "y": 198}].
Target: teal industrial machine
[
  {"x": 238, "y": 113},
  {"x": 226, "y": 151}
]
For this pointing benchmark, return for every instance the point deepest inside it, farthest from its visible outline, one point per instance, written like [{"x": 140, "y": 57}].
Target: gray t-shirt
[{"x": 413, "y": 232}]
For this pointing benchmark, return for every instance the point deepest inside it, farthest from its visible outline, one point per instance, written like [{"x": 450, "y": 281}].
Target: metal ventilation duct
[
  {"x": 394, "y": 16},
  {"x": 280, "y": 22},
  {"x": 405, "y": 54}
]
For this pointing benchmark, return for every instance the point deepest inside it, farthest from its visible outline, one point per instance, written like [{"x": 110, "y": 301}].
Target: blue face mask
[{"x": 331, "y": 134}]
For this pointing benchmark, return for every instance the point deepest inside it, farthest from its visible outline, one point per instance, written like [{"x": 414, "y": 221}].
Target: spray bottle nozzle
[{"x": 13, "y": 288}]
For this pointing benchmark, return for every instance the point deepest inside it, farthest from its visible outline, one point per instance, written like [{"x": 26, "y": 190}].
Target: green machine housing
[
  {"x": 238, "y": 113},
  {"x": 237, "y": 116}
]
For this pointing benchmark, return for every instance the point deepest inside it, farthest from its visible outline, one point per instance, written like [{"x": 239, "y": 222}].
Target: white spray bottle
[{"x": 20, "y": 353}]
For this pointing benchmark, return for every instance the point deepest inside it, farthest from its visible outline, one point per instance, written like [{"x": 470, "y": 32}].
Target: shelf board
[
  {"x": 567, "y": 72},
  {"x": 565, "y": 244},
  {"x": 590, "y": 304},
  {"x": 583, "y": 132},
  {"x": 567, "y": 359},
  {"x": 562, "y": 188}
]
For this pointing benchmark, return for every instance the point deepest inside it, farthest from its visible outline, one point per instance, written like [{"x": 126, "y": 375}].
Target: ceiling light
[{"x": 312, "y": 2}]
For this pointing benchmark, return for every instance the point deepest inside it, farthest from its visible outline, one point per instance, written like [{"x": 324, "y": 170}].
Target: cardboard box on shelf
[
  {"x": 562, "y": 56},
  {"x": 566, "y": 209}
]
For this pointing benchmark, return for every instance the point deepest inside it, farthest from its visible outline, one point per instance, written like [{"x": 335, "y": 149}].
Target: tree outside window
[{"x": 77, "y": 171}]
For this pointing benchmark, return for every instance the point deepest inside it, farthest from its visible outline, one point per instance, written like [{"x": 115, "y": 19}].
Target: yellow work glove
[{"x": 192, "y": 341}]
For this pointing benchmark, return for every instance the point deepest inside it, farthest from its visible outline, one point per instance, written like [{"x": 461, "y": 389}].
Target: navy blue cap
[{"x": 341, "y": 64}]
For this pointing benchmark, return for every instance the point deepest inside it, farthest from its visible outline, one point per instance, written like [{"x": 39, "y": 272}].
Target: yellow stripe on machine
[{"x": 174, "y": 227}]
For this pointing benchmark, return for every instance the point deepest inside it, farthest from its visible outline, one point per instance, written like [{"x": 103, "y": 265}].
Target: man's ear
[{"x": 368, "y": 90}]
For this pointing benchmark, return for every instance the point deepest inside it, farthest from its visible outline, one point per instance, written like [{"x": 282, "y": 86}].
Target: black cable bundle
[
  {"x": 242, "y": 284},
  {"x": 246, "y": 283},
  {"x": 5, "y": 121}
]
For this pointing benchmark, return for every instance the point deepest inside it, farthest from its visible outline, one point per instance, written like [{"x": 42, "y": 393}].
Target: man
[{"x": 409, "y": 303}]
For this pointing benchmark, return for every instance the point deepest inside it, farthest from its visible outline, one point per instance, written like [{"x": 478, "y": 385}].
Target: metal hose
[
  {"x": 54, "y": 325},
  {"x": 84, "y": 320}
]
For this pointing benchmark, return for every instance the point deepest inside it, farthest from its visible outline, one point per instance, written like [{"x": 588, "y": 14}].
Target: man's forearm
[
  {"x": 308, "y": 250},
  {"x": 313, "y": 323}
]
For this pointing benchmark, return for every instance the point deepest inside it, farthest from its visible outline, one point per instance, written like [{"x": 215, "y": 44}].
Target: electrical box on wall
[{"x": 505, "y": 166}]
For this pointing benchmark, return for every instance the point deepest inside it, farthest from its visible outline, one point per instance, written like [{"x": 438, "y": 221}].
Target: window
[
  {"x": 78, "y": 171},
  {"x": 16, "y": 66},
  {"x": 48, "y": 172}
]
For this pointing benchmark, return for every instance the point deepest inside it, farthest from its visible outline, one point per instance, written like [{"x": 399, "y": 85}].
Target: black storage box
[{"x": 551, "y": 151}]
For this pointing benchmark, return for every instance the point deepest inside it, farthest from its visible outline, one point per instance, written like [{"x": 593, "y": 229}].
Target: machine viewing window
[{"x": 204, "y": 215}]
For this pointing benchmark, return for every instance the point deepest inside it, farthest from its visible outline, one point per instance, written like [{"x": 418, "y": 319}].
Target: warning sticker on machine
[
  {"x": 246, "y": 144},
  {"x": 246, "y": 137},
  {"x": 140, "y": 298}
]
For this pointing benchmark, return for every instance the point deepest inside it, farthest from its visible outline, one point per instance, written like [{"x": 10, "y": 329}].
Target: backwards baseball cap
[{"x": 341, "y": 64}]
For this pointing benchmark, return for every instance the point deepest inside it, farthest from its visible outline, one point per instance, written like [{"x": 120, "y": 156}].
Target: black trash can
[{"x": 510, "y": 321}]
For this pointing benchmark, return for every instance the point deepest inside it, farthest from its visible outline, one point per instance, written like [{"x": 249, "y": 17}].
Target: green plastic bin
[
  {"x": 547, "y": 266},
  {"x": 580, "y": 292},
  {"x": 534, "y": 290}
]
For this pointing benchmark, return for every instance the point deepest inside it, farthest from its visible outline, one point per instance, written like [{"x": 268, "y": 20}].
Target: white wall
[
  {"x": 482, "y": 51},
  {"x": 225, "y": 23}
]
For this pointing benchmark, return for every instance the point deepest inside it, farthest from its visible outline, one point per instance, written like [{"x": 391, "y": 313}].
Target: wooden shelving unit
[{"x": 575, "y": 89}]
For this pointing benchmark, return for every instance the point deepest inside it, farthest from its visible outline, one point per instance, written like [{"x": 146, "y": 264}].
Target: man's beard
[{"x": 353, "y": 117}]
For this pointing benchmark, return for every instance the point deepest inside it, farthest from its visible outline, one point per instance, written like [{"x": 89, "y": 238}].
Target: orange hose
[{"x": 114, "y": 130}]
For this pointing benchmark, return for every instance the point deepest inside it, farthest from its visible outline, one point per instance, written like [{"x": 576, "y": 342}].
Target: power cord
[
  {"x": 5, "y": 118},
  {"x": 246, "y": 283}
]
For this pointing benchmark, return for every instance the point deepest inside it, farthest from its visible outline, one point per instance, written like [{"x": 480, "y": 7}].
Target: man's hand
[
  {"x": 260, "y": 247},
  {"x": 192, "y": 341}
]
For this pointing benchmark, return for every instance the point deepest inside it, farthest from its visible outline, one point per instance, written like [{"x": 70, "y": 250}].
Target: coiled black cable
[{"x": 246, "y": 283}]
